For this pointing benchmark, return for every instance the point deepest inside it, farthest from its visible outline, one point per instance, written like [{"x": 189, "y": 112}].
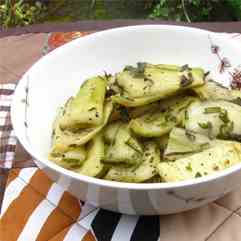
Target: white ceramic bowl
[{"x": 58, "y": 75}]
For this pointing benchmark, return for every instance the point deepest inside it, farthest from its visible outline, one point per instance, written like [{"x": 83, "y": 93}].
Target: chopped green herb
[
  {"x": 190, "y": 135},
  {"x": 205, "y": 125},
  {"x": 107, "y": 76},
  {"x": 109, "y": 92},
  {"x": 186, "y": 115},
  {"x": 141, "y": 67},
  {"x": 170, "y": 117},
  {"x": 117, "y": 88},
  {"x": 190, "y": 76},
  {"x": 224, "y": 116},
  {"x": 90, "y": 109},
  {"x": 210, "y": 110},
  {"x": 206, "y": 74},
  {"x": 185, "y": 81},
  {"x": 237, "y": 101},
  {"x": 189, "y": 167},
  {"x": 149, "y": 81},
  {"x": 132, "y": 144},
  {"x": 225, "y": 130},
  {"x": 204, "y": 146},
  {"x": 129, "y": 68},
  {"x": 137, "y": 72},
  {"x": 185, "y": 67},
  {"x": 235, "y": 137},
  {"x": 198, "y": 174}
]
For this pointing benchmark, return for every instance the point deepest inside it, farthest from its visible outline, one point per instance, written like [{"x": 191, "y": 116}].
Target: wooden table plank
[{"x": 229, "y": 27}]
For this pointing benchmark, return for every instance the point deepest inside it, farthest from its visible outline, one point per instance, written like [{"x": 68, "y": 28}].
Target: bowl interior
[{"x": 57, "y": 76}]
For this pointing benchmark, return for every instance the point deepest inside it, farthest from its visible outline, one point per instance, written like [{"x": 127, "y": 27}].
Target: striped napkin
[
  {"x": 7, "y": 138},
  {"x": 35, "y": 208}
]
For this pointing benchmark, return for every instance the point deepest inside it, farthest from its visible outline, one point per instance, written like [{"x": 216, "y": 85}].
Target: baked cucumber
[
  {"x": 86, "y": 108},
  {"x": 161, "y": 122},
  {"x": 124, "y": 148},
  {"x": 145, "y": 171},
  {"x": 93, "y": 166},
  {"x": 203, "y": 163}
]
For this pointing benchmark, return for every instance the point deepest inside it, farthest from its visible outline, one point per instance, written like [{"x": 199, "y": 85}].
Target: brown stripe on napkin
[
  {"x": 55, "y": 223},
  {"x": 26, "y": 209},
  {"x": 61, "y": 235},
  {"x": 88, "y": 237},
  {"x": 72, "y": 210},
  {"x": 21, "y": 209},
  {"x": 12, "y": 176}
]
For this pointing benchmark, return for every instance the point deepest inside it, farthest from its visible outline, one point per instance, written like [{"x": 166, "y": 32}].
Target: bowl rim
[{"x": 100, "y": 182}]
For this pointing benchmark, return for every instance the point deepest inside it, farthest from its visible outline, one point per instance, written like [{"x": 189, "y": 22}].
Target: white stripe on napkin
[{"x": 125, "y": 228}]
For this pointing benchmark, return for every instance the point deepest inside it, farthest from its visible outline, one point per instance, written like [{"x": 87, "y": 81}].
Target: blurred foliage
[
  {"x": 20, "y": 12},
  {"x": 235, "y": 6},
  {"x": 197, "y": 10},
  {"x": 25, "y": 12}
]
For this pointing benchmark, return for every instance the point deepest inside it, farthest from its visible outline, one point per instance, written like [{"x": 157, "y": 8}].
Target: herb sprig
[{"x": 137, "y": 72}]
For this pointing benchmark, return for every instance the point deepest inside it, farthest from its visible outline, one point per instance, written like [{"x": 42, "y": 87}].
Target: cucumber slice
[
  {"x": 154, "y": 83},
  {"x": 215, "y": 119},
  {"x": 86, "y": 108},
  {"x": 184, "y": 143},
  {"x": 124, "y": 148},
  {"x": 71, "y": 158},
  {"x": 63, "y": 139},
  {"x": 132, "y": 112},
  {"x": 200, "y": 164},
  {"x": 146, "y": 170},
  {"x": 161, "y": 122},
  {"x": 93, "y": 166},
  {"x": 110, "y": 131},
  {"x": 212, "y": 90}
]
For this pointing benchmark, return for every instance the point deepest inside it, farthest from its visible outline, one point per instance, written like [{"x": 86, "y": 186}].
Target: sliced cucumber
[
  {"x": 141, "y": 86},
  {"x": 215, "y": 119},
  {"x": 184, "y": 143},
  {"x": 161, "y": 122},
  {"x": 124, "y": 148},
  {"x": 146, "y": 170},
  {"x": 93, "y": 166},
  {"x": 86, "y": 108},
  {"x": 63, "y": 139},
  {"x": 71, "y": 158},
  {"x": 200, "y": 164},
  {"x": 212, "y": 90},
  {"x": 110, "y": 131}
]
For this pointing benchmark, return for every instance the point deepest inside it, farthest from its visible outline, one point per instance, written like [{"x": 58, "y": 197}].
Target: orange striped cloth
[{"x": 35, "y": 208}]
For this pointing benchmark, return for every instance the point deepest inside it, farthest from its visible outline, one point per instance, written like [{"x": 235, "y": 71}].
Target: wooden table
[
  {"x": 230, "y": 27},
  {"x": 21, "y": 47}
]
